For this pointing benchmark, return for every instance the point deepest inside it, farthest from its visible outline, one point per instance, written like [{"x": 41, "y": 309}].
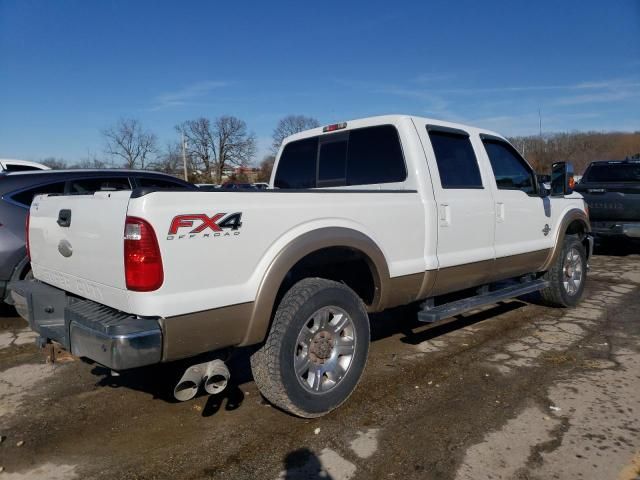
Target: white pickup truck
[{"x": 361, "y": 216}]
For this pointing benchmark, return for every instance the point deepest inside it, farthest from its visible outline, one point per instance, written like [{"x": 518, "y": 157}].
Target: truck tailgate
[
  {"x": 612, "y": 202},
  {"x": 84, "y": 257}
]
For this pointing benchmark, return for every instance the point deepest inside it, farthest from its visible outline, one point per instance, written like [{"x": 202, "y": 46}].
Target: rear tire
[
  {"x": 316, "y": 350},
  {"x": 567, "y": 275}
]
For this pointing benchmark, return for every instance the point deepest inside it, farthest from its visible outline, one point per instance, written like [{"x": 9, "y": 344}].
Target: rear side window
[
  {"x": 457, "y": 163},
  {"x": 26, "y": 196},
  {"x": 509, "y": 168},
  {"x": 91, "y": 185},
  {"x": 14, "y": 167},
  {"x": 363, "y": 156},
  {"x": 613, "y": 172},
  {"x": 159, "y": 183},
  {"x": 297, "y": 165}
]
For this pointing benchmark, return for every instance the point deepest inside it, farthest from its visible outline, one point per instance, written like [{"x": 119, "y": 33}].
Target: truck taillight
[
  {"x": 142, "y": 260},
  {"x": 26, "y": 235}
]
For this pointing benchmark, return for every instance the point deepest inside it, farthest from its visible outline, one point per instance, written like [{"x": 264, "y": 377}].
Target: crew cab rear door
[{"x": 464, "y": 202}]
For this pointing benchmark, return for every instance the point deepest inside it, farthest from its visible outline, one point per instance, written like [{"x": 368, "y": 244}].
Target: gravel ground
[{"x": 515, "y": 391}]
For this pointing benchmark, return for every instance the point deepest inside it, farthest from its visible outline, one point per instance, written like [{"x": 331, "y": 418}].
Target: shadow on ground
[
  {"x": 159, "y": 380},
  {"x": 303, "y": 464},
  {"x": 617, "y": 248}
]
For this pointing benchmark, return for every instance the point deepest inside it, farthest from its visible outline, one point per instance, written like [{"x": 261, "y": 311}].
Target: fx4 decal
[{"x": 192, "y": 224}]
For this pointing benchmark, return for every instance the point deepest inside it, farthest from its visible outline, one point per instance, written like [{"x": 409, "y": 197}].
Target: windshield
[{"x": 614, "y": 172}]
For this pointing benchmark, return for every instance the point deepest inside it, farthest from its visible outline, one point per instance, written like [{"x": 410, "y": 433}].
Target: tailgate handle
[{"x": 64, "y": 217}]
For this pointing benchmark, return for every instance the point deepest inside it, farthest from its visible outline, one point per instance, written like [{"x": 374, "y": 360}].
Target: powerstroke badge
[{"x": 200, "y": 225}]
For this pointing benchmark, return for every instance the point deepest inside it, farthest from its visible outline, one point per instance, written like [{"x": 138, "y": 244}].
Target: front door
[{"x": 523, "y": 218}]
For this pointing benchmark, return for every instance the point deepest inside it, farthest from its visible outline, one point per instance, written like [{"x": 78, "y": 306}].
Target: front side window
[
  {"x": 456, "y": 160},
  {"x": 509, "y": 168}
]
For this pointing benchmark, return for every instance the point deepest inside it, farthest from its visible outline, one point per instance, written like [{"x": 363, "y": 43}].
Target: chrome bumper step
[{"x": 88, "y": 329}]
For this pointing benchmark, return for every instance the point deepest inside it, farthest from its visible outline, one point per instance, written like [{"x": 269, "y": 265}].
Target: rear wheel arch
[{"x": 332, "y": 239}]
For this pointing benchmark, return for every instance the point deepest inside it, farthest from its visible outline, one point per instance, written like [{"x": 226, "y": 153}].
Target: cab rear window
[
  {"x": 363, "y": 156},
  {"x": 613, "y": 172}
]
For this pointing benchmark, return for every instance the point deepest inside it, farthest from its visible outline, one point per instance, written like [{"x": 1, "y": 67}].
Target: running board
[{"x": 433, "y": 314}]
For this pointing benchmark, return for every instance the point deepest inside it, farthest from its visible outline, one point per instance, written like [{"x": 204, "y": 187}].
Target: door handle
[
  {"x": 500, "y": 212},
  {"x": 64, "y": 217},
  {"x": 445, "y": 215}
]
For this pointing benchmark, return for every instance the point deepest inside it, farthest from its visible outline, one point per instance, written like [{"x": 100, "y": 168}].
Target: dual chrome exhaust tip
[{"x": 213, "y": 375}]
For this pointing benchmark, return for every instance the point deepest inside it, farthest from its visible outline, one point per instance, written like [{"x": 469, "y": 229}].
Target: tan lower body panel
[
  {"x": 188, "y": 335},
  {"x": 401, "y": 290},
  {"x": 195, "y": 333},
  {"x": 452, "y": 279}
]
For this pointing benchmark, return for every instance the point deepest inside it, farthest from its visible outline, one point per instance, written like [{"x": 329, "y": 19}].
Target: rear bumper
[
  {"x": 616, "y": 229},
  {"x": 87, "y": 329}
]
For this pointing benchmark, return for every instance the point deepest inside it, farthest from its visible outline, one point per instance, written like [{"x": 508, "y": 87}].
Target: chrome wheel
[
  {"x": 324, "y": 349},
  {"x": 572, "y": 271}
]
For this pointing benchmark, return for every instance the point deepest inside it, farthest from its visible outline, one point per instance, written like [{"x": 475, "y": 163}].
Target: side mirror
[
  {"x": 562, "y": 182},
  {"x": 544, "y": 184}
]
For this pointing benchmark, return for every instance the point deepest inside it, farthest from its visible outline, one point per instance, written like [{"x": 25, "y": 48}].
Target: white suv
[{"x": 11, "y": 165}]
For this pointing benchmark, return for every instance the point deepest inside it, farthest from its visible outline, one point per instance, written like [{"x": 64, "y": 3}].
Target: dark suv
[{"x": 18, "y": 189}]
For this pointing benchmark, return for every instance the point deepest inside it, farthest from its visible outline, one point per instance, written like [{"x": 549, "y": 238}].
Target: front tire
[
  {"x": 567, "y": 275},
  {"x": 316, "y": 350}
]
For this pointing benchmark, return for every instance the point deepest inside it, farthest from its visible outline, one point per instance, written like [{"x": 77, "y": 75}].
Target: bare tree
[
  {"x": 232, "y": 144},
  {"x": 214, "y": 146},
  {"x": 199, "y": 140},
  {"x": 127, "y": 140},
  {"x": 266, "y": 167},
  {"x": 91, "y": 160},
  {"x": 288, "y": 126},
  {"x": 54, "y": 163},
  {"x": 170, "y": 160},
  {"x": 580, "y": 148}
]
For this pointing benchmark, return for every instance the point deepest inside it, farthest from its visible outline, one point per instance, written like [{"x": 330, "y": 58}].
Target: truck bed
[{"x": 205, "y": 266}]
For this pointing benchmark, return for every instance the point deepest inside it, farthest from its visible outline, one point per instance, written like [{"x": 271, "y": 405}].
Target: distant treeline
[{"x": 579, "y": 148}]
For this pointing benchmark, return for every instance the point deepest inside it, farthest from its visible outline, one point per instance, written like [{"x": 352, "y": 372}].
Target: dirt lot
[{"x": 515, "y": 391}]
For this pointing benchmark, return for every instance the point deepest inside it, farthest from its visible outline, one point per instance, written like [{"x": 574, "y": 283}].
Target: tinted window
[
  {"x": 332, "y": 170},
  {"x": 370, "y": 155},
  {"x": 26, "y": 197},
  {"x": 456, "y": 160},
  {"x": 156, "y": 182},
  {"x": 297, "y": 165},
  {"x": 12, "y": 167},
  {"x": 90, "y": 185},
  {"x": 510, "y": 170},
  {"x": 375, "y": 156},
  {"x": 613, "y": 172}
]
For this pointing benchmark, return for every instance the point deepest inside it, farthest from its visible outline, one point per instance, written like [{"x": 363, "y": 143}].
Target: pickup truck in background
[
  {"x": 612, "y": 191},
  {"x": 362, "y": 216}
]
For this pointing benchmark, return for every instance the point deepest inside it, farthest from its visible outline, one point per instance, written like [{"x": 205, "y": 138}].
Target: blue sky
[{"x": 69, "y": 69}]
